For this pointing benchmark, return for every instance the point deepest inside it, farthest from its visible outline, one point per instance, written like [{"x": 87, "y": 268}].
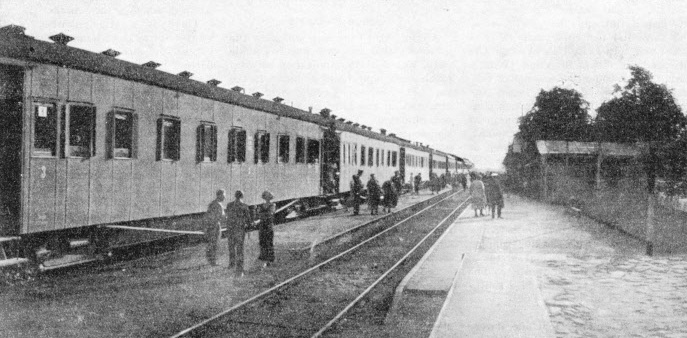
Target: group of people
[
  {"x": 238, "y": 219},
  {"x": 487, "y": 193},
  {"x": 386, "y": 194}
]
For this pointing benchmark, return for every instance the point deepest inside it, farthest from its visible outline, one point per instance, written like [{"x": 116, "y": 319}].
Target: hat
[
  {"x": 238, "y": 194},
  {"x": 360, "y": 171},
  {"x": 220, "y": 192},
  {"x": 266, "y": 195}
]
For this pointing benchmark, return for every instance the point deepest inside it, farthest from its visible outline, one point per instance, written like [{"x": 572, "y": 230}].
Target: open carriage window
[
  {"x": 283, "y": 150},
  {"x": 237, "y": 146},
  {"x": 79, "y": 135},
  {"x": 206, "y": 142},
  {"x": 300, "y": 150},
  {"x": 168, "y": 138},
  {"x": 313, "y": 151},
  {"x": 370, "y": 157},
  {"x": 122, "y": 134},
  {"x": 44, "y": 130},
  {"x": 262, "y": 147},
  {"x": 362, "y": 155}
]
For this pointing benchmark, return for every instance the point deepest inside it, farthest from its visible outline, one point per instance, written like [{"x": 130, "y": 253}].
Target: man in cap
[
  {"x": 213, "y": 225},
  {"x": 357, "y": 190},
  {"x": 238, "y": 219}
]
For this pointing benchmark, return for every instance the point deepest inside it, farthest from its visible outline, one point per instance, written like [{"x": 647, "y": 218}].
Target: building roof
[{"x": 589, "y": 148}]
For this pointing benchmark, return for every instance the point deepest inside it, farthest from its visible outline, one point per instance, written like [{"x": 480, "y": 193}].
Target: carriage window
[
  {"x": 206, "y": 142},
  {"x": 313, "y": 151},
  {"x": 283, "y": 152},
  {"x": 261, "y": 145},
  {"x": 45, "y": 130},
  {"x": 362, "y": 155},
  {"x": 168, "y": 138},
  {"x": 377, "y": 157},
  {"x": 355, "y": 154},
  {"x": 300, "y": 150},
  {"x": 237, "y": 146},
  {"x": 122, "y": 134},
  {"x": 81, "y": 132},
  {"x": 393, "y": 159},
  {"x": 370, "y": 157}
]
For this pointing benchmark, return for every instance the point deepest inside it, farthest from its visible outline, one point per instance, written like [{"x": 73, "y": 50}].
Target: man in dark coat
[
  {"x": 397, "y": 181},
  {"x": 213, "y": 225},
  {"x": 494, "y": 193},
  {"x": 464, "y": 181},
  {"x": 390, "y": 195},
  {"x": 357, "y": 191},
  {"x": 238, "y": 219},
  {"x": 374, "y": 192},
  {"x": 418, "y": 181}
]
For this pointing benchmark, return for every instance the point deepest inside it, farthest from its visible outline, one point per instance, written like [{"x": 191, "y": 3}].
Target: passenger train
[{"x": 90, "y": 140}]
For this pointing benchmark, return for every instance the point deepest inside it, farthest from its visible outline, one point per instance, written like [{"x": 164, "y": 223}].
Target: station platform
[
  {"x": 458, "y": 289},
  {"x": 308, "y": 236}
]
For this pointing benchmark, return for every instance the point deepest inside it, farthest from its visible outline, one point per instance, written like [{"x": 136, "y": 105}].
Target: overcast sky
[{"x": 452, "y": 74}]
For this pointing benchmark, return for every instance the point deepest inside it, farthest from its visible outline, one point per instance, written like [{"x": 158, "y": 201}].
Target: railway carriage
[
  {"x": 417, "y": 161},
  {"x": 91, "y": 140}
]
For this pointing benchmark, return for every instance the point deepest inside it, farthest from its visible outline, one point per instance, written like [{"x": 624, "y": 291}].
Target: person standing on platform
[
  {"x": 397, "y": 181},
  {"x": 464, "y": 181},
  {"x": 494, "y": 195},
  {"x": 266, "y": 228},
  {"x": 357, "y": 191},
  {"x": 418, "y": 181},
  {"x": 238, "y": 219},
  {"x": 374, "y": 192},
  {"x": 390, "y": 195},
  {"x": 213, "y": 226},
  {"x": 477, "y": 196}
]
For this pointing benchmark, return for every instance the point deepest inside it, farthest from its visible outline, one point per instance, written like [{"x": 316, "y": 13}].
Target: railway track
[{"x": 312, "y": 302}]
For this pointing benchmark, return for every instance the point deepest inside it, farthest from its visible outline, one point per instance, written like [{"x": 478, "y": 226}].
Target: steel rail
[
  {"x": 384, "y": 275},
  {"x": 300, "y": 275}
]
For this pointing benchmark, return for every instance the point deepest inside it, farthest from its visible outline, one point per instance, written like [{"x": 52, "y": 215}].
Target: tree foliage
[
  {"x": 557, "y": 114},
  {"x": 642, "y": 112}
]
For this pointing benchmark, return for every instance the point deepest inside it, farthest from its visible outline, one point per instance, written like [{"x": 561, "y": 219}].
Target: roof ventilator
[
  {"x": 277, "y": 99},
  {"x": 185, "y": 74},
  {"x": 214, "y": 82},
  {"x": 151, "y": 64},
  {"x": 111, "y": 53},
  {"x": 61, "y": 39},
  {"x": 12, "y": 30},
  {"x": 325, "y": 112},
  {"x": 238, "y": 89},
  {"x": 258, "y": 95}
]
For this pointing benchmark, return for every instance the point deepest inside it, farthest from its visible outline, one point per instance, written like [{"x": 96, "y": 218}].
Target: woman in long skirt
[
  {"x": 265, "y": 231},
  {"x": 477, "y": 196}
]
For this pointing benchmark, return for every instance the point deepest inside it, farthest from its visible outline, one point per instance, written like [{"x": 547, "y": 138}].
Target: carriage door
[
  {"x": 11, "y": 107},
  {"x": 330, "y": 171}
]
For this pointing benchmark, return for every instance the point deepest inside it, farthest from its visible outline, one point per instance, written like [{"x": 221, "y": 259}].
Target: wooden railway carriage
[
  {"x": 377, "y": 155},
  {"x": 90, "y": 140},
  {"x": 416, "y": 161}
]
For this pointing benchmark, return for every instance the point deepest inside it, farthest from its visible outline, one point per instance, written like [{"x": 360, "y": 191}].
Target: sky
[{"x": 455, "y": 75}]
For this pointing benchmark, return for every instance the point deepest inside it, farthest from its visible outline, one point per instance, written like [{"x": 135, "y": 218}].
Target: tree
[
  {"x": 644, "y": 111},
  {"x": 558, "y": 114}
]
